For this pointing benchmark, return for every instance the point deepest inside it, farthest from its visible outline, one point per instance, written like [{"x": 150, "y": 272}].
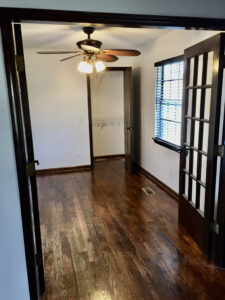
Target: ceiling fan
[{"x": 92, "y": 53}]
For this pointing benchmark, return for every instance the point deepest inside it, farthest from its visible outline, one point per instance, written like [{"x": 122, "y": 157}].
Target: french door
[
  {"x": 19, "y": 105},
  {"x": 200, "y": 132}
]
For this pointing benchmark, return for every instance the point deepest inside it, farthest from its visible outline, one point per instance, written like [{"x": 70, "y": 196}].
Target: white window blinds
[{"x": 169, "y": 87}]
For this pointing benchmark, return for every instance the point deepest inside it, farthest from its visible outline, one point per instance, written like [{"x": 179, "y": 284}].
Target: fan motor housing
[{"x": 89, "y": 42}]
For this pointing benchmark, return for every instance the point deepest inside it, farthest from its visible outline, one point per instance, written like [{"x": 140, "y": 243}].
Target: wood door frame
[
  {"x": 19, "y": 147},
  {"x": 90, "y": 119},
  {"x": 122, "y": 69},
  {"x": 8, "y": 15},
  {"x": 30, "y": 151}
]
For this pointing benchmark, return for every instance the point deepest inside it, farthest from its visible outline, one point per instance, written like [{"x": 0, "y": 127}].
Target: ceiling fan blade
[
  {"x": 89, "y": 48},
  {"x": 122, "y": 52},
  {"x": 107, "y": 58},
  {"x": 70, "y": 57},
  {"x": 57, "y": 52}
]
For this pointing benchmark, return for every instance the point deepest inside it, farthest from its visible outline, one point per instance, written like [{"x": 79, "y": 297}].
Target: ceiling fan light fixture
[
  {"x": 99, "y": 66},
  {"x": 85, "y": 67}
]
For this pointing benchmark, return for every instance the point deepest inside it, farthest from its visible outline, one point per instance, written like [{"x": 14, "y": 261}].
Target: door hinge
[
  {"x": 214, "y": 227},
  {"x": 19, "y": 63},
  {"x": 219, "y": 150},
  {"x": 30, "y": 169}
]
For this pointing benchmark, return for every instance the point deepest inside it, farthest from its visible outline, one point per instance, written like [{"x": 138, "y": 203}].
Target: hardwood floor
[{"x": 103, "y": 238}]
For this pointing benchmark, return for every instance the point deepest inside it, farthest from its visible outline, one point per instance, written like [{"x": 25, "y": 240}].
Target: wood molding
[
  {"x": 90, "y": 118},
  {"x": 122, "y": 69},
  {"x": 62, "y": 170},
  {"x": 161, "y": 184},
  {"x": 109, "y": 156},
  {"x": 19, "y": 147},
  {"x": 116, "y": 19}
]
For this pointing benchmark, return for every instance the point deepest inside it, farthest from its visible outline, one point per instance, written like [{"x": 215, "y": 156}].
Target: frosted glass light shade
[
  {"x": 99, "y": 66},
  {"x": 85, "y": 67}
]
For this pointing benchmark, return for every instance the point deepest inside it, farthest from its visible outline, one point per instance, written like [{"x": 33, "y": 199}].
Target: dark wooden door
[
  {"x": 200, "y": 123},
  {"x": 23, "y": 106},
  {"x": 218, "y": 243},
  {"x": 128, "y": 119}
]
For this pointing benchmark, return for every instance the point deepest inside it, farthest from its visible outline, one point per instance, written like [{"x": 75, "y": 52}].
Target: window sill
[{"x": 167, "y": 145}]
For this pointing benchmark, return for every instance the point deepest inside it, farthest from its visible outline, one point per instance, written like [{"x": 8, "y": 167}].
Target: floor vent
[{"x": 148, "y": 191}]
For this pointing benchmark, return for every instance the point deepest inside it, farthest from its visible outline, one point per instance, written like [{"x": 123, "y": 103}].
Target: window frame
[{"x": 157, "y": 140}]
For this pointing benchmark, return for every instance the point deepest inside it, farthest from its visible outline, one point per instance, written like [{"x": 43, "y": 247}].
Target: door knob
[{"x": 130, "y": 128}]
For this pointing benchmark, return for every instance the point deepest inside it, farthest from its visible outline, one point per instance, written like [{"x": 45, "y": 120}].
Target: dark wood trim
[
  {"x": 90, "y": 118},
  {"x": 19, "y": 146},
  {"x": 216, "y": 93},
  {"x": 161, "y": 184},
  {"x": 53, "y": 171},
  {"x": 123, "y": 69},
  {"x": 30, "y": 154},
  {"x": 167, "y": 144},
  {"x": 109, "y": 156},
  {"x": 116, "y": 19},
  {"x": 116, "y": 68},
  {"x": 218, "y": 242},
  {"x": 128, "y": 119},
  {"x": 169, "y": 60}
]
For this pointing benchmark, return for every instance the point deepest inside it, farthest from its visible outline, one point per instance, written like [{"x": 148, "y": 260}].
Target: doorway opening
[
  {"x": 146, "y": 110},
  {"x": 107, "y": 106},
  {"x": 112, "y": 115}
]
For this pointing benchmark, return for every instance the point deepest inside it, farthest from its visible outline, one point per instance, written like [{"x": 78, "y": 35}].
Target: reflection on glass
[
  {"x": 200, "y": 68},
  {"x": 209, "y": 68},
  {"x": 196, "y": 134},
  {"x": 188, "y": 129},
  {"x": 205, "y": 137},
  {"x": 207, "y": 104},
  {"x": 203, "y": 169},
  {"x": 202, "y": 199},
  {"x": 195, "y": 162},
  {"x": 190, "y": 95},
  {"x": 187, "y": 160},
  {"x": 198, "y": 103},
  {"x": 193, "y": 196},
  {"x": 186, "y": 185},
  {"x": 191, "y": 71}
]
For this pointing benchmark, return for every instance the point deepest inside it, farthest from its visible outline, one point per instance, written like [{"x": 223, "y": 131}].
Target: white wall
[
  {"x": 161, "y": 162},
  {"x": 59, "y": 111},
  {"x": 13, "y": 272},
  {"x": 201, "y": 8},
  {"x": 107, "y": 99}
]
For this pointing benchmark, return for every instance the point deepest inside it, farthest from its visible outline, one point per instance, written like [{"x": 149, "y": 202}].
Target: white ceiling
[{"x": 58, "y": 36}]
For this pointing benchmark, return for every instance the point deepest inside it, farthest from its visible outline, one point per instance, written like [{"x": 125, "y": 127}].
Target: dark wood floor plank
[{"x": 103, "y": 238}]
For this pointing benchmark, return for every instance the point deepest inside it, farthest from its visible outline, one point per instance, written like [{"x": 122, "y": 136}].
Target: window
[{"x": 168, "y": 106}]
